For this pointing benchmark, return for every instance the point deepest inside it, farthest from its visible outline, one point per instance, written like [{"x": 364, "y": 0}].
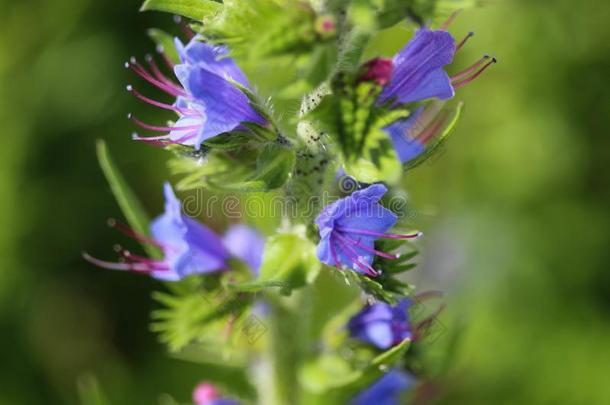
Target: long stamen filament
[
  {"x": 449, "y": 20},
  {"x": 470, "y": 69},
  {"x": 134, "y": 235},
  {"x": 430, "y": 132},
  {"x": 157, "y": 72},
  {"x": 156, "y": 103},
  {"x": 366, "y": 248},
  {"x": 353, "y": 256},
  {"x": 463, "y": 41},
  {"x": 140, "y": 71},
  {"x": 137, "y": 267},
  {"x": 474, "y": 76},
  {"x": 380, "y": 235},
  {"x": 159, "y": 128}
]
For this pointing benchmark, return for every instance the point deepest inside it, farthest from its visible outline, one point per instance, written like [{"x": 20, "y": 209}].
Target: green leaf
[
  {"x": 90, "y": 392},
  {"x": 332, "y": 377},
  {"x": 289, "y": 262},
  {"x": 273, "y": 166},
  {"x": 195, "y": 9},
  {"x": 166, "y": 42},
  {"x": 131, "y": 207}
]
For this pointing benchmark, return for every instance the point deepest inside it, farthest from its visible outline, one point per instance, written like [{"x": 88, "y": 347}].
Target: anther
[
  {"x": 129, "y": 87},
  {"x": 463, "y": 41}
]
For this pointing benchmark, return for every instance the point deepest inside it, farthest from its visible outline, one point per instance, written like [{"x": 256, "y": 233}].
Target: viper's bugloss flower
[
  {"x": 208, "y": 103},
  {"x": 387, "y": 390},
  {"x": 350, "y": 226},
  {"x": 382, "y": 325},
  {"x": 188, "y": 246},
  {"x": 206, "y": 394},
  {"x": 417, "y": 71}
]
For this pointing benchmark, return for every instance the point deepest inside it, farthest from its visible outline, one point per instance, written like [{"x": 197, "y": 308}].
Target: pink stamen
[
  {"x": 353, "y": 256},
  {"x": 140, "y": 71},
  {"x": 430, "y": 132},
  {"x": 366, "y": 248},
  {"x": 142, "y": 259},
  {"x": 474, "y": 76},
  {"x": 136, "y": 267},
  {"x": 157, "y": 72},
  {"x": 470, "y": 69},
  {"x": 463, "y": 41},
  {"x": 161, "y": 129},
  {"x": 165, "y": 58},
  {"x": 380, "y": 235},
  {"x": 156, "y": 103},
  {"x": 450, "y": 20},
  {"x": 135, "y": 235}
]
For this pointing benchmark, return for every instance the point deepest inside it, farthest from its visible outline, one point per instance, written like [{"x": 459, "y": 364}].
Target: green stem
[{"x": 288, "y": 331}]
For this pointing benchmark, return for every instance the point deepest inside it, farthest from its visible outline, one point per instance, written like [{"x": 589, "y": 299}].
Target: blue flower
[
  {"x": 208, "y": 103},
  {"x": 381, "y": 324},
  {"x": 418, "y": 68},
  {"x": 350, "y": 226},
  {"x": 387, "y": 390},
  {"x": 188, "y": 246},
  {"x": 416, "y": 74}
]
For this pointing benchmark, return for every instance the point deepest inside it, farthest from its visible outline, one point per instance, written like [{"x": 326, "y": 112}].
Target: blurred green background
[{"x": 515, "y": 208}]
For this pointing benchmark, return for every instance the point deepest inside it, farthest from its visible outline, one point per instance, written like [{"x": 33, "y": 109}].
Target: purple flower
[
  {"x": 381, "y": 324},
  {"x": 416, "y": 74},
  {"x": 387, "y": 390},
  {"x": 246, "y": 244},
  {"x": 418, "y": 68},
  {"x": 350, "y": 226},
  {"x": 207, "y": 101},
  {"x": 417, "y": 71},
  {"x": 188, "y": 246}
]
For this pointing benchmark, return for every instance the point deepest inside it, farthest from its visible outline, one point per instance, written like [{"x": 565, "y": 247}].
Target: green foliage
[
  {"x": 164, "y": 42},
  {"x": 338, "y": 378},
  {"x": 195, "y": 9},
  {"x": 128, "y": 202},
  {"x": 289, "y": 262},
  {"x": 90, "y": 392},
  {"x": 245, "y": 167},
  {"x": 197, "y": 312},
  {"x": 351, "y": 117}
]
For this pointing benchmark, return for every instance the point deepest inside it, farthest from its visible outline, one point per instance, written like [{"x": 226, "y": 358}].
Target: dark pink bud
[{"x": 378, "y": 70}]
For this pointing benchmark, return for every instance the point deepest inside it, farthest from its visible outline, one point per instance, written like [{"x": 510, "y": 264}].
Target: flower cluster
[
  {"x": 383, "y": 107},
  {"x": 416, "y": 73}
]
